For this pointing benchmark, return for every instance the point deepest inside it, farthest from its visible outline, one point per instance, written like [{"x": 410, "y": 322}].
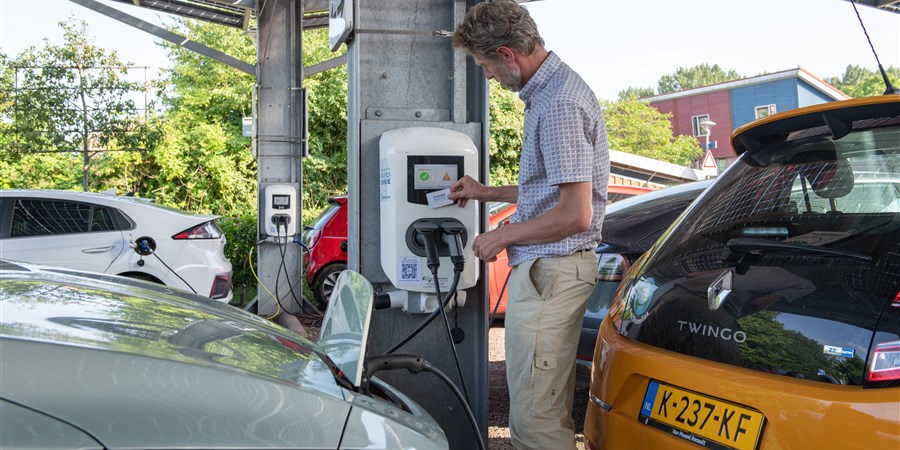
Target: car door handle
[{"x": 97, "y": 250}]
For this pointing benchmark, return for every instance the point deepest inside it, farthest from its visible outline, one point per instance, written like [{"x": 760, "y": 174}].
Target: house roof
[
  {"x": 660, "y": 170},
  {"x": 799, "y": 72}
]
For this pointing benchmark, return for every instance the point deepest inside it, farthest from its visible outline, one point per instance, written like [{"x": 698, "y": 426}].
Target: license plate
[{"x": 707, "y": 421}]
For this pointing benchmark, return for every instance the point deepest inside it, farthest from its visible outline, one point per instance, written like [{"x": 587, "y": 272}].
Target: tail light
[
  {"x": 885, "y": 365},
  {"x": 883, "y": 368},
  {"x": 207, "y": 230},
  {"x": 312, "y": 238},
  {"x": 221, "y": 286}
]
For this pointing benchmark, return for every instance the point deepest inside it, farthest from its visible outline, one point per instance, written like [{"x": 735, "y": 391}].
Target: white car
[{"x": 117, "y": 235}]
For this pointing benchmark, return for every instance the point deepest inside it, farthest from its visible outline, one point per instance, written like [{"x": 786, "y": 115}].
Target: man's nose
[{"x": 488, "y": 74}]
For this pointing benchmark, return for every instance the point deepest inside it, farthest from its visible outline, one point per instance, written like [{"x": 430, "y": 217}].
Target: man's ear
[{"x": 507, "y": 54}]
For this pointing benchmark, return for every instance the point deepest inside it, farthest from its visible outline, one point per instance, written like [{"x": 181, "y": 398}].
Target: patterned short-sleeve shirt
[{"x": 564, "y": 142}]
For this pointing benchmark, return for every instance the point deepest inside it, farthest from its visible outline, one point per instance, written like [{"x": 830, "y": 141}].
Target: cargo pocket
[{"x": 549, "y": 383}]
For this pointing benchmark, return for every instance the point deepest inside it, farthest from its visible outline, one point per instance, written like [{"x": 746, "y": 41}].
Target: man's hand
[
  {"x": 487, "y": 245},
  {"x": 464, "y": 189}
]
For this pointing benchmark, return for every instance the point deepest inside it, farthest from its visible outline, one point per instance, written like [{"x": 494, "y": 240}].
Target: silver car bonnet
[{"x": 136, "y": 367}]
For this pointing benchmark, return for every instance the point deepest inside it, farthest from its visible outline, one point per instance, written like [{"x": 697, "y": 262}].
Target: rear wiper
[{"x": 761, "y": 246}]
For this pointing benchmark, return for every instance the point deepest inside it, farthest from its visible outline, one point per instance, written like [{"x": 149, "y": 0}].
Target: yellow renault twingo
[{"x": 768, "y": 315}]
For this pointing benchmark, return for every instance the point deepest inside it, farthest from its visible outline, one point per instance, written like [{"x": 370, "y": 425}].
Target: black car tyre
[{"x": 325, "y": 281}]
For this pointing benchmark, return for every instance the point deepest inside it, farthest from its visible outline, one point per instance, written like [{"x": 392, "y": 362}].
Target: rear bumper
[{"x": 799, "y": 413}]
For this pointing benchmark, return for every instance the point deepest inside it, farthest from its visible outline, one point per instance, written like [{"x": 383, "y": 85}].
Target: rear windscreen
[{"x": 784, "y": 265}]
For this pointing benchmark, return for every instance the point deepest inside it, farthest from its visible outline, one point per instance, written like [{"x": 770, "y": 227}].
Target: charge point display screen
[
  {"x": 434, "y": 176},
  {"x": 281, "y": 201}
]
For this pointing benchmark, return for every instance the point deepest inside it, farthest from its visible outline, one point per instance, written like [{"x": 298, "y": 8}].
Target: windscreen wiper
[{"x": 763, "y": 246}]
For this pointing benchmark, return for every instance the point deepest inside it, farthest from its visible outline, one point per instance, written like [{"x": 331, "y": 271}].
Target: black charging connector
[
  {"x": 281, "y": 219},
  {"x": 426, "y": 237},
  {"x": 452, "y": 236}
]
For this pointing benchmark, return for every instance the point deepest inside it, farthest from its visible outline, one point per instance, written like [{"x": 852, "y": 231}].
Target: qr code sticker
[{"x": 409, "y": 270}]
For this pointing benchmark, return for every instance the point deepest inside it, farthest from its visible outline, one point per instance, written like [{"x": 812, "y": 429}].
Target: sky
[{"x": 612, "y": 44}]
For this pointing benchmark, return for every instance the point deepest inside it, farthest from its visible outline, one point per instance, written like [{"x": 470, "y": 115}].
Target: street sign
[{"x": 709, "y": 166}]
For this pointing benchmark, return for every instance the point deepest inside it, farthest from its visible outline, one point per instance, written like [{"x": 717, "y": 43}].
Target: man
[{"x": 561, "y": 198}]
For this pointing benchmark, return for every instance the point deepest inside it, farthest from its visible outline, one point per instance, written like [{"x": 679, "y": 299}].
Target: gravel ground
[{"x": 498, "y": 397}]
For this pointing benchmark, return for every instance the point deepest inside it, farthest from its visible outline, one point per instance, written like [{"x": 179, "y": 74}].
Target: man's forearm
[
  {"x": 572, "y": 215},
  {"x": 543, "y": 229},
  {"x": 509, "y": 194}
]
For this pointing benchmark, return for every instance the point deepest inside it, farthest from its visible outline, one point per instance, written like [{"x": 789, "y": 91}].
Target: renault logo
[{"x": 719, "y": 290}]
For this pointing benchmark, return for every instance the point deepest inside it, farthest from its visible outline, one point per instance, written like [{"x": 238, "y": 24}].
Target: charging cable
[
  {"x": 431, "y": 317},
  {"x": 425, "y": 236},
  {"x": 316, "y": 315},
  {"x": 145, "y": 246},
  {"x": 497, "y": 305},
  {"x": 415, "y": 364}
]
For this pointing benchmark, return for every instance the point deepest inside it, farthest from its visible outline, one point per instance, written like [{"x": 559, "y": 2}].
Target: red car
[{"x": 326, "y": 244}]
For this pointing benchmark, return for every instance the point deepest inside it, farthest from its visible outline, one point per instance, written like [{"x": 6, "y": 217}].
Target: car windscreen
[
  {"x": 786, "y": 263},
  {"x": 320, "y": 221}
]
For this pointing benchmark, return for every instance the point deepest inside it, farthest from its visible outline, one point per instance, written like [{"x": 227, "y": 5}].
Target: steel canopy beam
[
  {"x": 884, "y": 5},
  {"x": 163, "y": 33}
]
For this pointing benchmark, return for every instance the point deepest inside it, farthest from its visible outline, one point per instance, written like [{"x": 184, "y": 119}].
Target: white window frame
[
  {"x": 768, "y": 110},
  {"x": 698, "y": 130}
]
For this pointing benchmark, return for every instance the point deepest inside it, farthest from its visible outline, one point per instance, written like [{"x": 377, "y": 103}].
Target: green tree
[
  {"x": 72, "y": 98},
  {"x": 507, "y": 127},
  {"x": 769, "y": 344},
  {"x": 203, "y": 163},
  {"x": 325, "y": 169},
  {"x": 636, "y": 92},
  {"x": 858, "y": 82},
  {"x": 635, "y": 127},
  {"x": 694, "y": 77}
]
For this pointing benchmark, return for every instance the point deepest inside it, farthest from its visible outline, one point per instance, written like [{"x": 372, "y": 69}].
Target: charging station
[
  {"x": 418, "y": 166},
  {"x": 280, "y": 210}
]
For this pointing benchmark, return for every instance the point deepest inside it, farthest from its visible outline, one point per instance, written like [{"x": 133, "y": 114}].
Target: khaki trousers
[{"x": 547, "y": 298}]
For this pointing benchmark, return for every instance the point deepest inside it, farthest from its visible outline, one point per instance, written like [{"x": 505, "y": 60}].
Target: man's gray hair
[{"x": 487, "y": 26}]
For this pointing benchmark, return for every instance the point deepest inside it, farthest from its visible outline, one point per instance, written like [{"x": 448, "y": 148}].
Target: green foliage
[
  {"x": 7, "y": 83},
  {"x": 858, "y": 82},
  {"x": 636, "y": 92},
  {"x": 41, "y": 171},
  {"x": 203, "y": 163},
  {"x": 769, "y": 344},
  {"x": 633, "y": 126},
  {"x": 507, "y": 120},
  {"x": 72, "y": 98},
  {"x": 240, "y": 233},
  {"x": 325, "y": 169},
  {"x": 694, "y": 77}
]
